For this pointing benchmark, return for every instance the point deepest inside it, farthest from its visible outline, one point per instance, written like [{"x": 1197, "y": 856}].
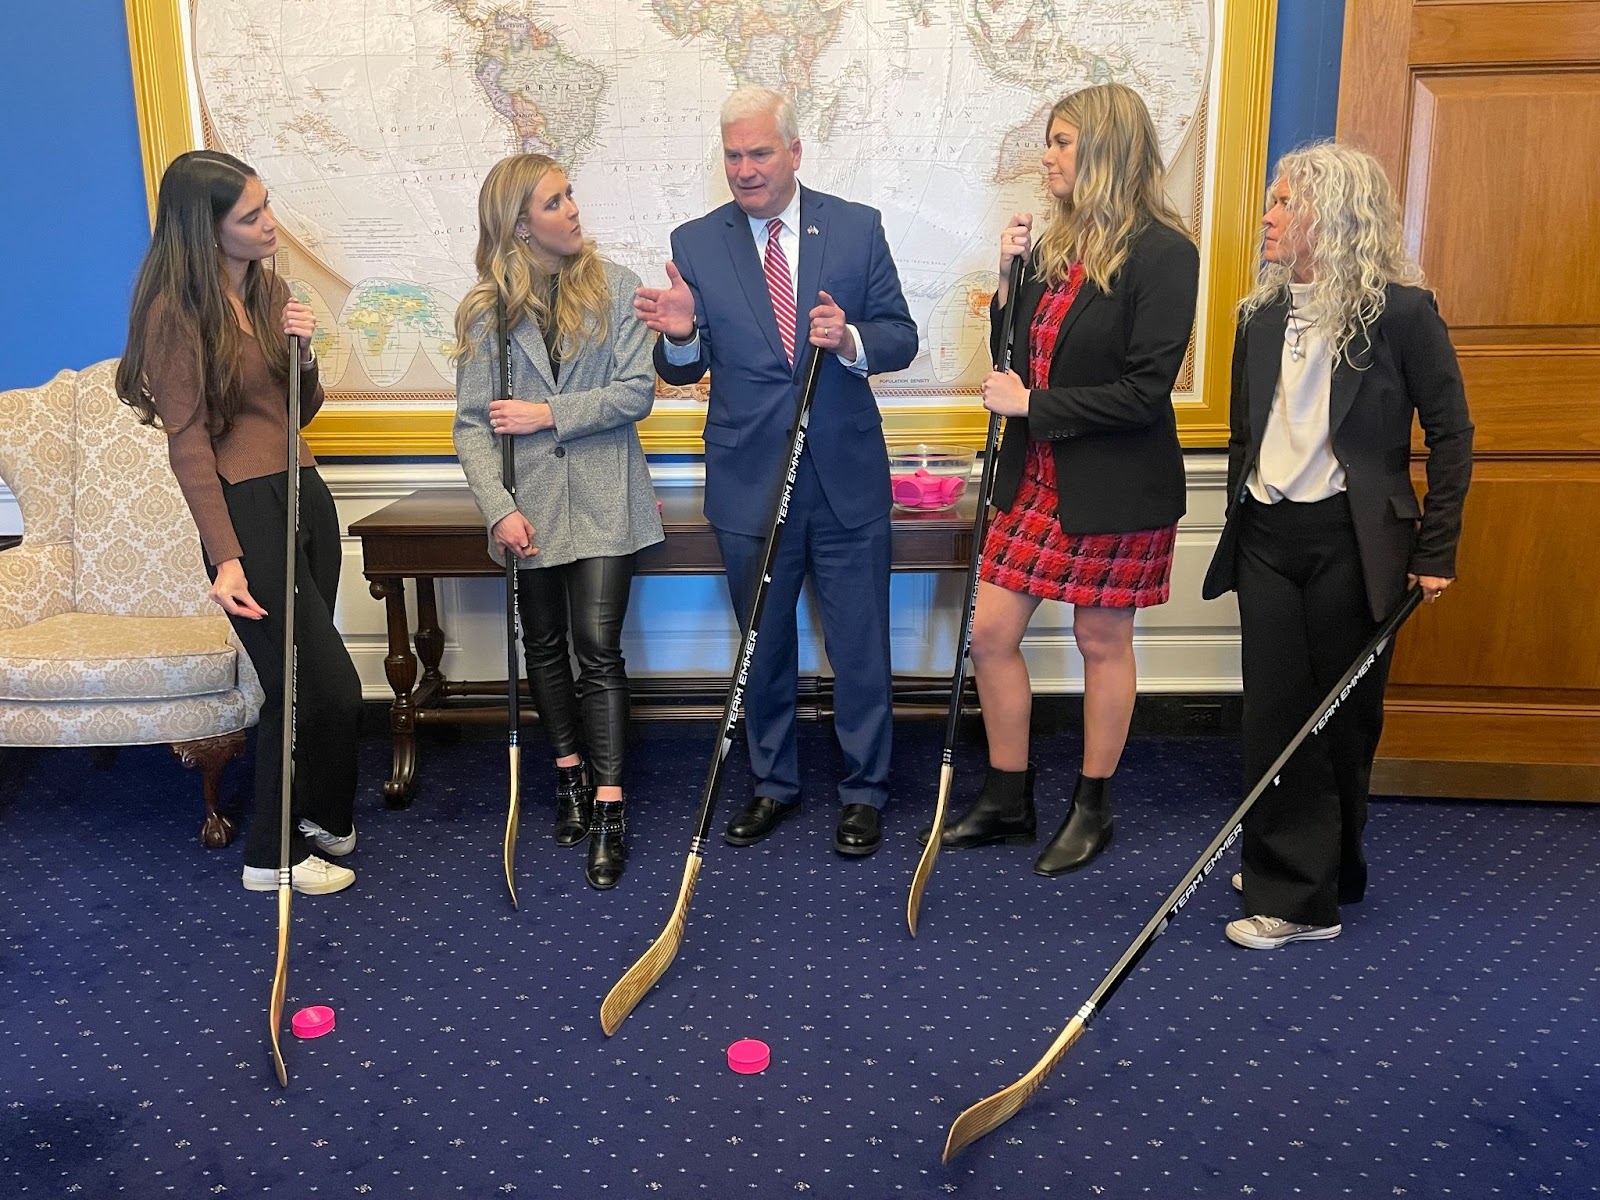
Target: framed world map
[{"x": 374, "y": 125}]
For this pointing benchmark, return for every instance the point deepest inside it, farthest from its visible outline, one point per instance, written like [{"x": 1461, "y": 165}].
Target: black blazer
[
  {"x": 1108, "y": 409},
  {"x": 1410, "y": 367}
]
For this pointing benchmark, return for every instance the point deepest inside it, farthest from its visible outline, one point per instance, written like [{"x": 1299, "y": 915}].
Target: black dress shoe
[
  {"x": 860, "y": 830},
  {"x": 759, "y": 818},
  {"x": 1084, "y": 834}
]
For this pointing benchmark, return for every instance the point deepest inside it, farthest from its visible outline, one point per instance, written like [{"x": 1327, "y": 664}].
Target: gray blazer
[{"x": 584, "y": 485}]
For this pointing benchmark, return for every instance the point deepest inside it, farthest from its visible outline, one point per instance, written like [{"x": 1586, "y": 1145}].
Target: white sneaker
[
  {"x": 313, "y": 877},
  {"x": 1238, "y": 878},
  {"x": 326, "y": 843},
  {"x": 1268, "y": 933}
]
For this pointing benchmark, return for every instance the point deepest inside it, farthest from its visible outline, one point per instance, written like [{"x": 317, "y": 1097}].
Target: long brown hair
[
  {"x": 180, "y": 291},
  {"x": 1118, "y": 189},
  {"x": 507, "y": 269}
]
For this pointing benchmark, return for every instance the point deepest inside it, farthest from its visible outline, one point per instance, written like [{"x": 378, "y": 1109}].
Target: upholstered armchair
[{"x": 106, "y": 636}]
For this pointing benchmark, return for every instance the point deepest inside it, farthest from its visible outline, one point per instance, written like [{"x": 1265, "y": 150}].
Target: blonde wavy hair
[
  {"x": 508, "y": 270},
  {"x": 1117, "y": 192},
  {"x": 1342, "y": 200}
]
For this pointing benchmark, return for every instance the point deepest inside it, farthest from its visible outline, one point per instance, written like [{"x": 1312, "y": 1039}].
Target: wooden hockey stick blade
[
  {"x": 991, "y": 1112},
  {"x": 652, "y": 965},
  {"x": 280, "y": 984},
  {"x": 919, "y": 878},
  {"x": 513, "y": 815}
]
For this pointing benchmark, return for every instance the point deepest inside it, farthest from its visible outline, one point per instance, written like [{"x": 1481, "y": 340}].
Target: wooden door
[{"x": 1487, "y": 116}]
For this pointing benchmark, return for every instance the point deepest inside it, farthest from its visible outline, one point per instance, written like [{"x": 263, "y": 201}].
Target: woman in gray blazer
[
  {"x": 582, "y": 377},
  {"x": 1340, "y": 349}
]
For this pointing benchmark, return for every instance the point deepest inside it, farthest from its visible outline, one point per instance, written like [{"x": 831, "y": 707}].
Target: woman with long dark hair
[
  {"x": 1089, "y": 482},
  {"x": 582, "y": 380},
  {"x": 208, "y": 360}
]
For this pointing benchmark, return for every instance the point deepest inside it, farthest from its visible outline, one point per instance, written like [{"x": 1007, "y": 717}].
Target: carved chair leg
[{"x": 211, "y": 755}]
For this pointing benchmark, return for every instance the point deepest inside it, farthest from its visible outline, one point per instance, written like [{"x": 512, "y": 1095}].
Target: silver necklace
[{"x": 1295, "y": 329}]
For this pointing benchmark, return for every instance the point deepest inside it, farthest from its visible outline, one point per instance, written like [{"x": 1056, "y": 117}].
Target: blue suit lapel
[
  {"x": 813, "y": 246},
  {"x": 747, "y": 270}
]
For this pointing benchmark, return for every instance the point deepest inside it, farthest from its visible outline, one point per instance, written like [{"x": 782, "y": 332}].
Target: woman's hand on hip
[
  {"x": 512, "y": 532},
  {"x": 1004, "y": 394},
  {"x": 519, "y": 416},
  {"x": 1432, "y": 585},
  {"x": 231, "y": 590}
]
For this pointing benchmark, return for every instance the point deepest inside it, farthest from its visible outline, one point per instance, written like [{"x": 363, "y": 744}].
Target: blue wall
[
  {"x": 73, "y": 212},
  {"x": 73, "y": 219}
]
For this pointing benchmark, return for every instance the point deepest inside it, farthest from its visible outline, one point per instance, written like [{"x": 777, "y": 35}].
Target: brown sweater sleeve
[
  {"x": 172, "y": 371},
  {"x": 311, "y": 396}
]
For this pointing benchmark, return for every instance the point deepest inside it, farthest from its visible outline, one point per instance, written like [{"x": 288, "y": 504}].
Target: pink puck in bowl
[
  {"x": 312, "y": 1022},
  {"x": 748, "y": 1056}
]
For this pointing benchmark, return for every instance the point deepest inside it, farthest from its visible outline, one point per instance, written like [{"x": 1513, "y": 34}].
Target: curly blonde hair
[
  {"x": 1118, "y": 190},
  {"x": 507, "y": 269},
  {"x": 1342, "y": 200}
]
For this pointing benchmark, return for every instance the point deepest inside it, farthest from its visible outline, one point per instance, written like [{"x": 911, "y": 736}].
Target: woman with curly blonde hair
[
  {"x": 1089, "y": 479},
  {"x": 582, "y": 379},
  {"x": 1339, "y": 348}
]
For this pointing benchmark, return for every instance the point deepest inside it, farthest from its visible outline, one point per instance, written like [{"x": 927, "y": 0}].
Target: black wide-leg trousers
[
  {"x": 1304, "y": 615},
  {"x": 327, "y": 689}
]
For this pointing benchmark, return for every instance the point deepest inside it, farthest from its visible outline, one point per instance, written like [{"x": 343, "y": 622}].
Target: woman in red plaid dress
[{"x": 1089, "y": 482}]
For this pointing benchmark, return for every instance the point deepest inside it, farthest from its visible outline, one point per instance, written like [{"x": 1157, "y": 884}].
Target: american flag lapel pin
[{"x": 811, "y": 229}]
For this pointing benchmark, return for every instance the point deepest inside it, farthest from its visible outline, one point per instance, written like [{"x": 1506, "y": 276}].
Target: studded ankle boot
[
  {"x": 608, "y": 852},
  {"x": 574, "y": 804}
]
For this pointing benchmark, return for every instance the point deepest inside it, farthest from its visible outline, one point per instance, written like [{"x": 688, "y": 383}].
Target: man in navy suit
[{"x": 739, "y": 279}]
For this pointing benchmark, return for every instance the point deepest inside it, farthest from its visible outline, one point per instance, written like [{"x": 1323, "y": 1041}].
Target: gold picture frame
[{"x": 1237, "y": 120}]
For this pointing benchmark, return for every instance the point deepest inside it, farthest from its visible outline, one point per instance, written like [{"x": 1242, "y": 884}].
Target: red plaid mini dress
[{"x": 1025, "y": 549}]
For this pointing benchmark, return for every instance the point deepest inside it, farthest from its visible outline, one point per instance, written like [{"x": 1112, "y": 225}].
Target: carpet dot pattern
[{"x": 1446, "y": 1045}]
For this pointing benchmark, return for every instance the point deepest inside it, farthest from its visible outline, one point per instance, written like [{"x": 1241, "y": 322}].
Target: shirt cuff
[
  {"x": 684, "y": 355},
  {"x": 859, "y": 365}
]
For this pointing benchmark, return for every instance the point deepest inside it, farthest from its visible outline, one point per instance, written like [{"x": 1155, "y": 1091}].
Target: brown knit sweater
[{"x": 254, "y": 447}]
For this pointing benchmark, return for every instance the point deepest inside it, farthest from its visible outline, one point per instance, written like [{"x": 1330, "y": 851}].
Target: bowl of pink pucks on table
[{"x": 929, "y": 478}]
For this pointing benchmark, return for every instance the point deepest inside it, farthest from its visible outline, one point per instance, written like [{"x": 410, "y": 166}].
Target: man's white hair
[{"x": 753, "y": 100}]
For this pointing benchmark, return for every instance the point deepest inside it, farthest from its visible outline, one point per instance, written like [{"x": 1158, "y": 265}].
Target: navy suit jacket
[
  {"x": 1408, "y": 371},
  {"x": 843, "y": 251}
]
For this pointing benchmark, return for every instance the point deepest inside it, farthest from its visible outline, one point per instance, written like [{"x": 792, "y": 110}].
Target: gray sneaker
[
  {"x": 325, "y": 842},
  {"x": 1268, "y": 933}
]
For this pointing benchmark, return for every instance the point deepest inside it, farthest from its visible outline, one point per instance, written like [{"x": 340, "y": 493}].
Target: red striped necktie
[{"x": 776, "y": 267}]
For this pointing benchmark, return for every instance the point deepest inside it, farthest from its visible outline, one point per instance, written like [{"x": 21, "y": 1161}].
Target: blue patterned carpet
[{"x": 1447, "y": 1045}]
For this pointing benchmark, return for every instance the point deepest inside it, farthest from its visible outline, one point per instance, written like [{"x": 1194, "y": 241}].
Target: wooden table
[{"x": 439, "y": 534}]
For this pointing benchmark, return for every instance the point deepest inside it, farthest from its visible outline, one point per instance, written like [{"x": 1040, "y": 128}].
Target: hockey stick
[
  {"x": 993, "y": 1111},
  {"x": 508, "y": 480},
  {"x": 958, "y": 679},
  {"x": 642, "y": 976}
]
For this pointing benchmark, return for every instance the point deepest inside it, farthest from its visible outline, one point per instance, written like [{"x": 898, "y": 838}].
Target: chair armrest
[{"x": 35, "y": 583}]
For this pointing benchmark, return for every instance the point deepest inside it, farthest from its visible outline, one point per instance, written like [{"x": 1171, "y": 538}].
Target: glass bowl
[{"x": 929, "y": 478}]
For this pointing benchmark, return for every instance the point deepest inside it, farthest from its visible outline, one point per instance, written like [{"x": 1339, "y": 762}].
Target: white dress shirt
[
  {"x": 789, "y": 239},
  {"x": 1297, "y": 461}
]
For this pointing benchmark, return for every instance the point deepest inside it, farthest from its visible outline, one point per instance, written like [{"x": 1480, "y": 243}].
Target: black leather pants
[{"x": 591, "y": 716}]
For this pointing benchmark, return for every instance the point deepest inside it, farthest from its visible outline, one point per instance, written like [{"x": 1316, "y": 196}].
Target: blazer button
[{"x": 561, "y": 451}]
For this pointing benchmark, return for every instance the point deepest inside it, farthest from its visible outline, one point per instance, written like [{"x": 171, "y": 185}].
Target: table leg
[{"x": 400, "y": 665}]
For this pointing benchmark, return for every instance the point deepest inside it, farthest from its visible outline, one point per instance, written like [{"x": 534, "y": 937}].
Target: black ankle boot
[
  {"x": 1085, "y": 832},
  {"x": 574, "y": 804},
  {"x": 1003, "y": 812},
  {"x": 608, "y": 852}
]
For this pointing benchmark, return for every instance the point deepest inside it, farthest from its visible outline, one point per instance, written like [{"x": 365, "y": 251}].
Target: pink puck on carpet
[
  {"x": 312, "y": 1022},
  {"x": 748, "y": 1056}
]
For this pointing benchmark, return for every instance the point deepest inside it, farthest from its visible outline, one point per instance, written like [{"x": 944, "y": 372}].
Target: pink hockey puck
[
  {"x": 748, "y": 1056},
  {"x": 312, "y": 1022}
]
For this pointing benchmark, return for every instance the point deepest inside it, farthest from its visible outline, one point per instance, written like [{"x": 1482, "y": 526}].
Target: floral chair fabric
[{"x": 106, "y": 635}]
